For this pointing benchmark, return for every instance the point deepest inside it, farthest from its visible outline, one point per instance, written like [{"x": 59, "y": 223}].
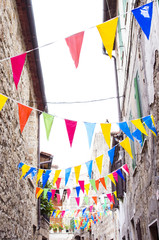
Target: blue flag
[
  {"x": 138, "y": 135},
  {"x": 111, "y": 154},
  {"x": 83, "y": 211},
  {"x": 20, "y": 165},
  {"x": 67, "y": 175},
  {"x": 124, "y": 127},
  {"x": 45, "y": 177},
  {"x": 30, "y": 171},
  {"x": 90, "y": 130},
  {"x": 120, "y": 174},
  {"x": 89, "y": 167},
  {"x": 143, "y": 16},
  {"x": 33, "y": 173},
  {"x": 78, "y": 190},
  {"x": 49, "y": 195},
  {"x": 150, "y": 125}
]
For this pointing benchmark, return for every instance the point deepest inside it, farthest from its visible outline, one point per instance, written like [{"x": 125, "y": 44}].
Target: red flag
[
  {"x": 102, "y": 180},
  {"x": 71, "y": 127},
  {"x": 68, "y": 193},
  {"x": 81, "y": 183},
  {"x": 95, "y": 199},
  {"x": 125, "y": 167},
  {"x": 109, "y": 195},
  {"x": 58, "y": 198},
  {"x": 17, "y": 67},
  {"x": 77, "y": 200},
  {"x": 58, "y": 183},
  {"x": 74, "y": 43},
  {"x": 24, "y": 113},
  {"x": 97, "y": 184},
  {"x": 53, "y": 193}
]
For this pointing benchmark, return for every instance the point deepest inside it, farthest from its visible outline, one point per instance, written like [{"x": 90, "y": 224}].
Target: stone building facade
[
  {"x": 18, "y": 204},
  {"x": 138, "y": 74}
]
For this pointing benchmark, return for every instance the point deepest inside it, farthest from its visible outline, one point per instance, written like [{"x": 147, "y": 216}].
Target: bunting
[
  {"x": 106, "y": 128},
  {"x": 3, "y": 100},
  {"x": 25, "y": 168},
  {"x": 58, "y": 183},
  {"x": 81, "y": 183},
  {"x": 78, "y": 200},
  {"x": 53, "y": 191},
  {"x": 112, "y": 178},
  {"x": 102, "y": 180},
  {"x": 24, "y": 113},
  {"x": 125, "y": 168},
  {"x": 71, "y": 127},
  {"x": 138, "y": 135},
  {"x": 107, "y": 31},
  {"x": 90, "y": 131},
  {"x": 89, "y": 167},
  {"x": 86, "y": 186},
  {"x": 38, "y": 191},
  {"x": 67, "y": 175},
  {"x": 124, "y": 127},
  {"x": 68, "y": 193},
  {"x": 77, "y": 170},
  {"x": 57, "y": 173},
  {"x": 17, "y": 67},
  {"x": 48, "y": 121},
  {"x": 74, "y": 43},
  {"x": 78, "y": 190},
  {"x": 150, "y": 125},
  {"x": 92, "y": 181},
  {"x": 45, "y": 177},
  {"x": 95, "y": 199},
  {"x": 97, "y": 184},
  {"x": 111, "y": 154},
  {"x": 120, "y": 174},
  {"x": 40, "y": 172},
  {"x": 49, "y": 195},
  {"x": 45, "y": 192},
  {"x": 126, "y": 145},
  {"x": 58, "y": 198},
  {"x": 99, "y": 161},
  {"x": 138, "y": 124}
]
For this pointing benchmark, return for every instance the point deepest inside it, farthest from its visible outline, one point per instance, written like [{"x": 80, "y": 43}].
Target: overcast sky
[{"x": 94, "y": 78}]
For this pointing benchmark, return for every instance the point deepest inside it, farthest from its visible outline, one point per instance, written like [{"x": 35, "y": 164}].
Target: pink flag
[
  {"x": 81, "y": 183},
  {"x": 74, "y": 43},
  {"x": 17, "y": 67},
  {"x": 125, "y": 167},
  {"x": 68, "y": 193},
  {"x": 91, "y": 208},
  {"x": 77, "y": 200},
  {"x": 53, "y": 193},
  {"x": 58, "y": 183},
  {"x": 109, "y": 195},
  {"x": 63, "y": 213},
  {"x": 58, "y": 198},
  {"x": 71, "y": 127},
  {"x": 115, "y": 175}
]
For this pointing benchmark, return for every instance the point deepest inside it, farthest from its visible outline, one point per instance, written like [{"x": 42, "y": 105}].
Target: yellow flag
[
  {"x": 25, "y": 168},
  {"x": 40, "y": 172},
  {"x": 138, "y": 124},
  {"x": 39, "y": 192},
  {"x": 107, "y": 31},
  {"x": 115, "y": 193},
  {"x": 106, "y": 132},
  {"x": 99, "y": 161},
  {"x": 77, "y": 172},
  {"x": 153, "y": 121},
  {"x": 57, "y": 173},
  {"x": 3, "y": 100},
  {"x": 112, "y": 178},
  {"x": 57, "y": 212},
  {"x": 126, "y": 145},
  {"x": 86, "y": 186}
]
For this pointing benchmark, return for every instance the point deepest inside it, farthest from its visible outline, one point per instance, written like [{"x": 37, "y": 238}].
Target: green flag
[
  {"x": 45, "y": 192},
  {"x": 86, "y": 199},
  {"x": 92, "y": 181},
  {"x": 48, "y": 121}
]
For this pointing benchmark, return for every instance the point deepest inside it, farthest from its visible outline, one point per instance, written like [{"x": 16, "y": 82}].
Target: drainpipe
[{"x": 38, "y": 166}]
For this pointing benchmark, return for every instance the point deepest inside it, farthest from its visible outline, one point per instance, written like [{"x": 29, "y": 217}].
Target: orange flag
[
  {"x": 95, "y": 199},
  {"x": 24, "y": 113},
  {"x": 102, "y": 180},
  {"x": 97, "y": 184}
]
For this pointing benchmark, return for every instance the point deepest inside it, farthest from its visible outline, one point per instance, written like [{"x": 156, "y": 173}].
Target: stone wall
[{"x": 18, "y": 205}]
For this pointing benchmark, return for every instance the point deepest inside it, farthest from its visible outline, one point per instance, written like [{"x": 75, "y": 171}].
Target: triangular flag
[
  {"x": 111, "y": 154},
  {"x": 138, "y": 124},
  {"x": 138, "y": 135},
  {"x": 81, "y": 183},
  {"x": 153, "y": 120},
  {"x": 57, "y": 173},
  {"x": 97, "y": 184},
  {"x": 102, "y": 180},
  {"x": 109, "y": 196},
  {"x": 63, "y": 213},
  {"x": 71, "y": 127},
  {"x": 67, "y": 175},
  {"x": 150, "y": 125},
  {"x": 126, "y": 145},
  {"x": 120, "y": 174},
  {"x": 91, "y": 208},
  {"x": 99, "y": 161},
  {"x": 106, "y": 127},
  {"x": 78, "y": 190},
  {"x": 48, "y": 121},
  {"x": 58, "y": 198},
  {"x": 143, "y": 16},
  {"x": 74, "y": 43},
  {"x": 38, "y": 192},
  {"x": 77, "y": 170},
  {"x": 45, "y": 177},
  {"x": 45, "y": 192},
  {"x": 112, "y": 199},
  {"x": 115, "y": 175},
  {"x": 3, "y": 100},
  {"x": 20, "y": 165},
  {"x": 58, "y": 183},
  {"x": 90, "y": 130},
  {"x": 25, "y": 168},
  {"x": 83, "y": 211},
  {"x": 115, "y": 193},
  {"x": 53, "y": 191},
  {"x": 95, "y": 199},
  {"x": 40, "y": 172},
  {"x": 17, "y": 67},
  {"x": 86, "y": 186},
  {"x": 29, "y": 172},
  {"x": 61, "y": 192},
  {"x": 89, "y": 167},
  {"x": 49, "y": 195},
  {"x": 107, "y": 31},
  {"x": 106, "y": 180},
  {"x": 33, "y": 173},
  {"x": 112, "y": 178},
  {"x": 68, "y": 193},
  {"x": 77, "y": 200},
  {"x": 92, "y": 181},
  {"x": 124, "y": 127},
  {"x": 125, "y": 167},
  {"x": 57, "y": 212},
  {"x": 24, "y": 113}
]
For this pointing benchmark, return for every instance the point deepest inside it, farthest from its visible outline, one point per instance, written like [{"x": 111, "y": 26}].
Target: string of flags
[{"x": 107, "y": 31}]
